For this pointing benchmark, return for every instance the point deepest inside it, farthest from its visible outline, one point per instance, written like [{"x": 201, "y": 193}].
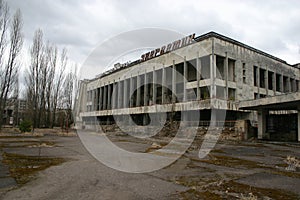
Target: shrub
[{"x": 25, "y": 126}]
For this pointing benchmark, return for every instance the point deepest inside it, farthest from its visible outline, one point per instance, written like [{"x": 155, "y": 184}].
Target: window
[
  {"x": 244, "y": 73},
  {"x": 220, "y": 67},
  {"x": 270, "y": 80},
  {"x": 262, "y": 77},
  {"x": 231, "y": 70},
  {"x": 255, "y": 72}
]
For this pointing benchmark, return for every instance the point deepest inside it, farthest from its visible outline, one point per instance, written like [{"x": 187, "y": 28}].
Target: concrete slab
[
  {"x": 272, "y": 181},
  {"x": 4, "y": 172},
  {"x": 7, "y": 182}
]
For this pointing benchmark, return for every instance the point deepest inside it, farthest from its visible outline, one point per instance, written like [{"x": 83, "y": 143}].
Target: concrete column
[
  {"x": 131, "y": 92},
  {"x": 289, "y": 84},
  {"x": 97, "y": 99},
  {"x": 146, "y": 93},
  {"x": 267, "y": 81},
  {"x": 107, "y": 121},
  {"x": 119, "y": 100},
  {"x": 184, "y": 117},
  {"x": 138, "y": 92},
  {"x": 125, "y": 97},
  {"x": 105, "y": 98},
  {"x": 262, "y": 114},
  {"x": 274, "y": 82},
  {"x": 185, "y": 75},
  {"x": 213, "y": 118},
  {"x": 281, "y": 83},
  {"x": 114, "y": 95},
  {"x": 154, "y": 87},
  {"x": 109, "y": 97},
  {"x": 174, "y": 83},
  {"x": 293, "y": 85},
  {"x": 258, "y": 81},
  {"x": 101, "y": 99},
  {"x": 213, "y": 89},
  {"x": 198, "y": 64},
  {"x": 145, "y": 119},
  {"x": 163, "y": 89},
  {"x": 298, "y": 125},
  {"x": 226, "y": 76},
  {"x": 93, "y": 100}
]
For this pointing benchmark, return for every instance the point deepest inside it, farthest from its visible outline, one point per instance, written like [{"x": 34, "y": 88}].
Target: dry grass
[{"x": 293, "y": 163}]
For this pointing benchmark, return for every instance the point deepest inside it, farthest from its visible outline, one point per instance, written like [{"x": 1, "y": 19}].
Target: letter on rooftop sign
[{"x": 169, "y": 47}]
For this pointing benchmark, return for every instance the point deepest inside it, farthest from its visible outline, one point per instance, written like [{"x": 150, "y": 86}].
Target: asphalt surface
[
  {"x": 231, "y": 170},
  {"x": 83, "y": 177}
]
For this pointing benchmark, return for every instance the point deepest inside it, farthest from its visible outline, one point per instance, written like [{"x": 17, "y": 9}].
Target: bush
[{"x": 25, "y": 126}]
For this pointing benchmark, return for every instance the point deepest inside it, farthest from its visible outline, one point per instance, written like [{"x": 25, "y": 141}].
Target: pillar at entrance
[
  {"x": 174, "y": 82},
  {"x": 261, "y": 124},
  {"x": 299, "y": 125},
  {"x": 138, "y": 93}
]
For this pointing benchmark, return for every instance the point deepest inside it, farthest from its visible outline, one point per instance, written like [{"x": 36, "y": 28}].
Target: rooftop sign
[{"x": 167, "y": 48}]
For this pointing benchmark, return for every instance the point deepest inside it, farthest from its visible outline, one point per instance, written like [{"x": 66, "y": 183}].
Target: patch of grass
[
  {"x": 218, "y": 151},
  {"x": 23, "y": 167},
  {"x": 200, "y": 181},
  {"x": 192, "y": 194},
  {"x": 261, "y": 193},
  {"x": 228, "y": 161},
  {"x": 25, "y": 143},
  {"x": 286, "y": 173}
]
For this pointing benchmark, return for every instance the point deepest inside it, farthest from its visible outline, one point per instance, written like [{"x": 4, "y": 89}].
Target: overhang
[{"x": 289, "y": 101}]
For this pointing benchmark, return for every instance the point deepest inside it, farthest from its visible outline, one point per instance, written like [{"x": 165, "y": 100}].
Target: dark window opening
[
  {"x": 262, "y": 77},
  {"x": 270, "y": 80},
  {"x": 220, "y": 61}
]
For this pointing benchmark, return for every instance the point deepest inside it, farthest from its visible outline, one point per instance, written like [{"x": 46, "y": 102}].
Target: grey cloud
[{"x": 81, "y": 25}]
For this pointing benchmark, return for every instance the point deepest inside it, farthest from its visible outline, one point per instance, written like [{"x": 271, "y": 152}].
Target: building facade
[{"x": 204, "y": 73}]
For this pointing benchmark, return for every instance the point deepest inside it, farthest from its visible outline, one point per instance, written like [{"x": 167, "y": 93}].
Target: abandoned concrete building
[{"x": 196, "y": 74}]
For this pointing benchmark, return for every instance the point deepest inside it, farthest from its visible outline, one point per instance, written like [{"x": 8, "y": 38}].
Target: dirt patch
[
  {"x": 234, "y": 190},
  {"x": 25, "y": 143},
  {"x": 23, "y": 168},
  {"x": 228, "y": 161},
  {"x": 192, "y": 194}
]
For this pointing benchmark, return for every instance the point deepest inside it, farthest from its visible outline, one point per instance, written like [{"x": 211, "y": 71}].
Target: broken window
[
  {"x": 205, "y": 94},
  {"x": 220, "y": 67},
  {"x": 205, "y": 67},
  {"x": 255, "y": 71},
  {"x": 270, "y": 80},
  {"x": 244, "y": 73},
  {"x": 285, "y": 84},
  {"x": 191, "y": 70},
  {"x": 231, "y": 94},
  {"x": 278, "y": 80},
  {"x": 231, "y": 70},
  {"x": 220, "y": 92},
  {"x": 179, "y": 74},
  {"x": 262, "y": 77},
  {"x": 191, "y": 94}
]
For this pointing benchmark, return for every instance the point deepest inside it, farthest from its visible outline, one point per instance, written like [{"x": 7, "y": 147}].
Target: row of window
[{"x": 274, "y": 81}]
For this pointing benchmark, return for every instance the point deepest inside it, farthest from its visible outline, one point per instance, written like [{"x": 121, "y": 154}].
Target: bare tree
[
  {"x": 9, "y": 70},
  {"x": 34, "y": 76},
  {"x": 68, "y": 94},
  {"x": 52, "y": 57},
  {"x": 4, "y": 17},
  {"x": 58, "y": 83}
]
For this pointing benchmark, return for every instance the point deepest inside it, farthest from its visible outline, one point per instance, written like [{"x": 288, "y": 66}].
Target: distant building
[{"x": 14, "y": 111}]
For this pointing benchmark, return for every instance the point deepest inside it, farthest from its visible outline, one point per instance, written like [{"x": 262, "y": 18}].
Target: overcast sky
[{"x": 271, "y": 25}]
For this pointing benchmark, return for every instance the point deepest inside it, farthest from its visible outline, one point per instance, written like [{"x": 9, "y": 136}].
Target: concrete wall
[{"x": 237, "y": 83}]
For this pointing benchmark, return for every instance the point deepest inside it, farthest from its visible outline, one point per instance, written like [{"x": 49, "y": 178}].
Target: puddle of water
[{"x": 23, "y": 168}]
